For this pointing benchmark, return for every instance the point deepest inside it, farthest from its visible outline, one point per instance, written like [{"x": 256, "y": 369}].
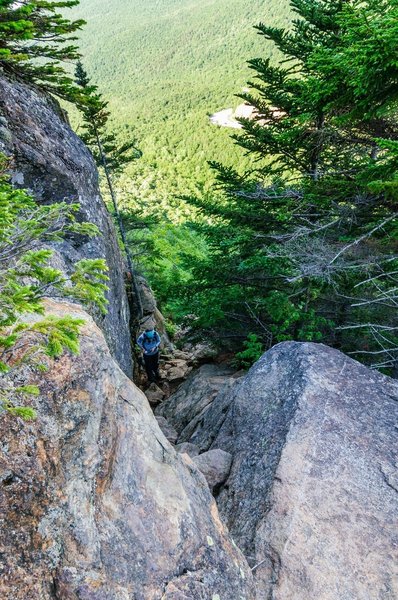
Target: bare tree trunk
[
  {"x": 130, "y": 265},
  {"x": 316, "y": 154}
]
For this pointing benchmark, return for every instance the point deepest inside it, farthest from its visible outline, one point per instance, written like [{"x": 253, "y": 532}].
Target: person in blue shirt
[{"x": 149, "y": 342}]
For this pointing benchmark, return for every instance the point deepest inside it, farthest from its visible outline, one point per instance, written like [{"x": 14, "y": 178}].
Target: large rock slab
[
  {"x": 187, "y": 407},
  {"x": 96, "y": 505},
  {"x": 51, "y": 161},
  {"x": 312, "y": 496}
]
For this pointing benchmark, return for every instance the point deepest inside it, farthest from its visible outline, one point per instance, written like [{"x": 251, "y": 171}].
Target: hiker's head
[{"x": 149, "y": 333}]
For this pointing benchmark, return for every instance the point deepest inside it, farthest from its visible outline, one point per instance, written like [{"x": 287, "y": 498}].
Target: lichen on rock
[{"x": 96, "y": 503}]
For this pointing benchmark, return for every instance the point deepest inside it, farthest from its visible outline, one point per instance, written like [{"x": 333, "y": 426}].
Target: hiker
[{"x": 149, "y": 342}]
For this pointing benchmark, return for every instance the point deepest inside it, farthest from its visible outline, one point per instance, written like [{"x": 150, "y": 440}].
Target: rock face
[
  {"x": 95, "y": 503},
  {"x": 186, "y": 409},
  {"x": 154, "y": 394},
  {"x": 54, "y": 164},
  {"x": 215, "y": 466},
  {"x": 188, "y": 448},
  {"x": 312, "y": 496},
  {"x": 168, "y": 430}
]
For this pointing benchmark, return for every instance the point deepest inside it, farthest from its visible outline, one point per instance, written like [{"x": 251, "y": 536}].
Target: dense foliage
[
  {"x": 299, "y": 241},
  {"x": 165, "y": 66},
  {"x": 28, "y": 336},
  {"x": 304, "y": 245},
  {"x": 35, "y": 39}
]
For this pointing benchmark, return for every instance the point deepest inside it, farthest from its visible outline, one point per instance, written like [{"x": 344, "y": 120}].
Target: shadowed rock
[
  {"x": 154, "y": 394},
  {"x": 186, "y": 408},
  {"x": 215, "y": 466},
  {"x": 187, "y": 448},
  {"x": 168, "y": 430},
  {"x": 312, "y": 496}
]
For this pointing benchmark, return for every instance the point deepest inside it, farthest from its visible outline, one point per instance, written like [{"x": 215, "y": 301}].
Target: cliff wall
[
  {"x": 52, "y": 162},
  {"x": 96, "y": 504}
]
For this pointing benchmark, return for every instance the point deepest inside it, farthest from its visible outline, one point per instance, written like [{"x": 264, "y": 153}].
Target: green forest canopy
[
  {"x": 303, "y": 246},
  {"x": 164, "y": 67}
]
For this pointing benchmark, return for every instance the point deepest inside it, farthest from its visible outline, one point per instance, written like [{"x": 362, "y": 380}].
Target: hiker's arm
[{"x": 158, "y": 341}]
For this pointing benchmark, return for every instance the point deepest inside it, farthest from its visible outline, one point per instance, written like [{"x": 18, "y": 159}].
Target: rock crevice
[{"x": 103, "y": 507}]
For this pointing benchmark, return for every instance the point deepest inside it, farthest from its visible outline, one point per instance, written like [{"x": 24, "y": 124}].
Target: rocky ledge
[
  {"x": 96, "y": 504},
  {"x": 312, "y": 494}
]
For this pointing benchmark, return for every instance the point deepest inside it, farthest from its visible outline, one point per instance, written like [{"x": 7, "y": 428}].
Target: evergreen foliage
[
  {"x": 94, "y": 132},
  {"x": 253, "y": 350},
  {"x": 28, "y": 336},
  {"x": 109, "y": 155},
  {"x": 35, "y": 39},
  {"x": 303, "y": 245},
  {"x": 165, "y": 66}
]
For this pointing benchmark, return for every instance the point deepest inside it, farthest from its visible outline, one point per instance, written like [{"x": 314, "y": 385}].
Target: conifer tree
[
  {"x": 300, "y": 244},
  {"x": 35, "y": 39},
  {"x": 110, "y": 155},
  {"x": 94, "y": 132}
]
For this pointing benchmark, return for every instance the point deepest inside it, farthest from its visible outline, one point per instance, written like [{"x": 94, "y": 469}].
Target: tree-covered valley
[
  {"x": 164, "y": 67},
  {"x": 284, "y": 229},
  {"x": 229, "y": 434}
]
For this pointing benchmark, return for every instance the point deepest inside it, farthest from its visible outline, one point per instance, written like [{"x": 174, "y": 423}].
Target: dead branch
[{"x": 364, "y": 236}]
